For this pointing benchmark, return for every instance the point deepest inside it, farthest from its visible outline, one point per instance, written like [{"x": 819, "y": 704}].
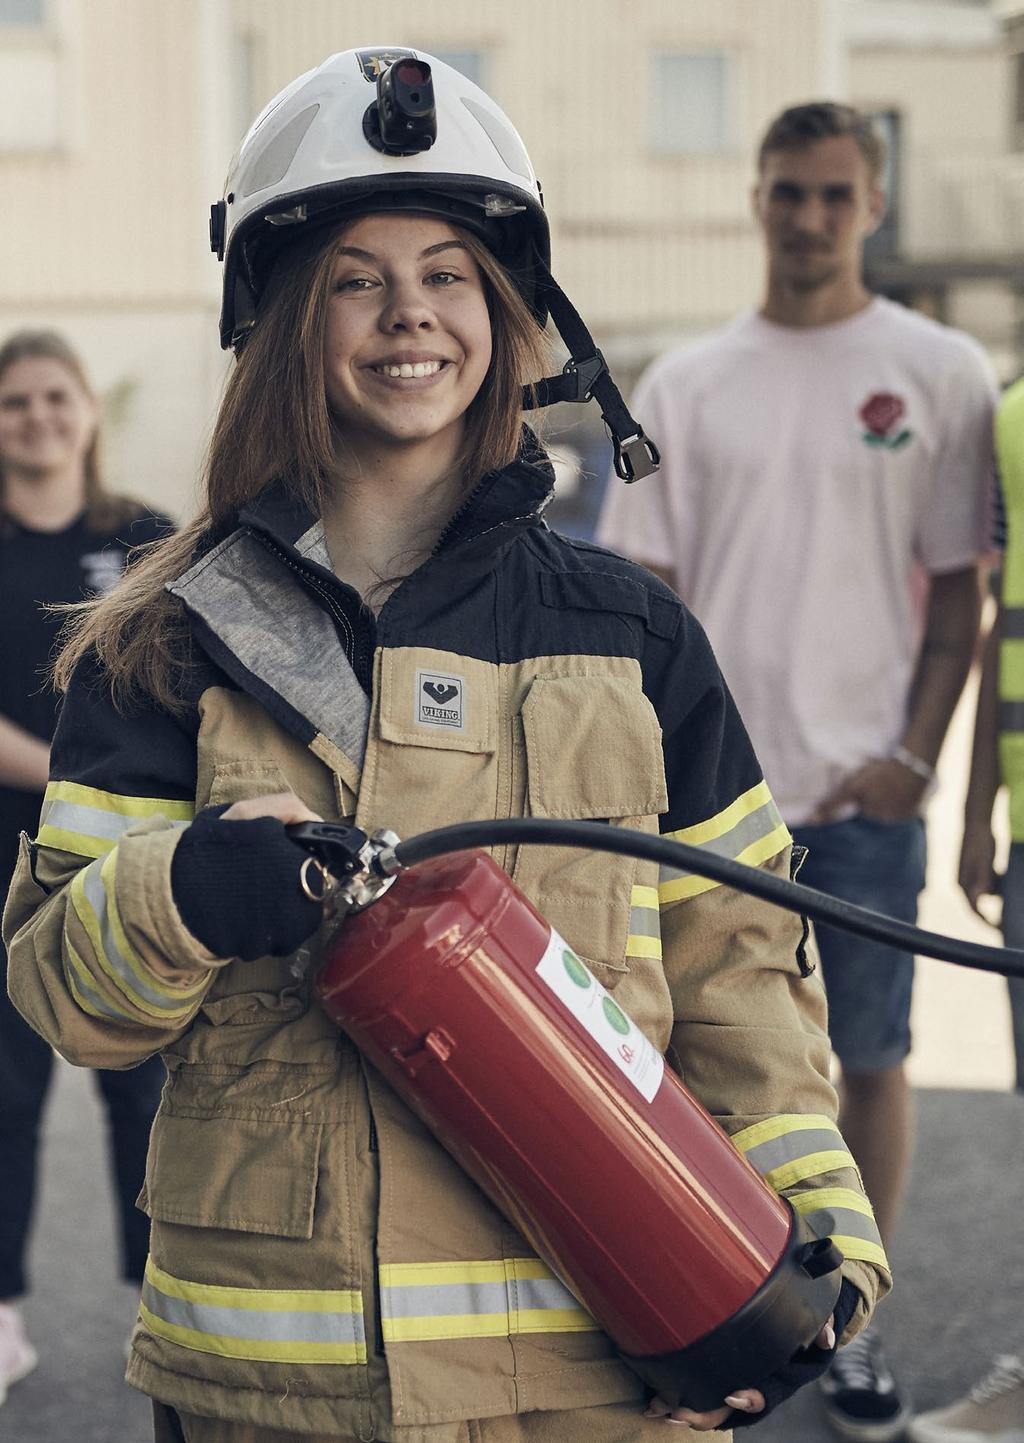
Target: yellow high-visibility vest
[{"x": 1010, "y": 457}]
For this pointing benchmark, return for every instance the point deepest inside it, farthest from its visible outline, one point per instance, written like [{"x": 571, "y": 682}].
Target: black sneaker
[{"x": 862, "y": 1400}]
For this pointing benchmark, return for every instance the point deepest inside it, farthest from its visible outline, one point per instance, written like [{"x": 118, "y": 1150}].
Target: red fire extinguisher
[{"x": 526, "y": 1069}]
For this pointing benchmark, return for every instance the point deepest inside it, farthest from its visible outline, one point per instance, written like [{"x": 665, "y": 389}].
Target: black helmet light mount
[{"x": 403, "y": 119}]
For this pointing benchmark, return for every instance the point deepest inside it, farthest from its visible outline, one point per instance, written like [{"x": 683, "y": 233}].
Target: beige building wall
[
  {"x": 140, "y": 105},
  {"x": 105, "y": 220},
  {"x": 642, "y": 241}
]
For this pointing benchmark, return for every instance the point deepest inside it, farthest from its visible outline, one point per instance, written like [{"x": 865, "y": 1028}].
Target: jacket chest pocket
[{"x": 593, "y": 751}]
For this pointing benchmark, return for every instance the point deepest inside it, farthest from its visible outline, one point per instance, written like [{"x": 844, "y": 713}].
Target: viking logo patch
[{"x": 440, "y": 701}]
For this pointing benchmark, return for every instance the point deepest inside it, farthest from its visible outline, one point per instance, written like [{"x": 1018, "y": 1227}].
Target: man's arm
[
  {"x": 24, "y": 759},
  {"x": 978, "y": 850},
  {"x": 888, "y": 788}
]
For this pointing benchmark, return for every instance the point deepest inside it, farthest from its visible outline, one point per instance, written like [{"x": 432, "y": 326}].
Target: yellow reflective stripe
[
  {"x": 475, "y": 1299},
  {"x": 89, "y": 822},
  {"x": 680, "y": 888},
  {"x": 394, "y": 1275},
  {"x": 108, "y": 873},
  {"x": 724, "y": 821},
  {"x": 785, "y": 1122},
  {"x": 81, "y": 982},
  {"x": 644, "y": 939},
  {"x": 262, "y": 1325},
  {"x": 833, "y": 1212},
  {"x": 749, "y": 830},
  {"x": 802, "y": 1168},
  {"x": 143, "y": 992},
  {"x": 423, "y": 1329},
  {"x": 831, "y": 1197},
  {"x": 861, "y": 1250},
  {"x": 792, "y": 1147},
  {"x": 643, "y": 946}
]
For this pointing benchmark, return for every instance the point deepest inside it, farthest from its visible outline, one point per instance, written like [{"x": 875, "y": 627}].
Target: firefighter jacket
[{"x": 318, "y": 1263}]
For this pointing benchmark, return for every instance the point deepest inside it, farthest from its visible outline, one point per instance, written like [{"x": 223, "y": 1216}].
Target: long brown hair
[
  {"x": 103, "y": 510},
  {"x": 274, "y": 424}
]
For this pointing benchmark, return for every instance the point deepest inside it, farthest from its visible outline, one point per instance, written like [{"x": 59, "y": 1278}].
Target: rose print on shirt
[{"x": 882, "y": 413}]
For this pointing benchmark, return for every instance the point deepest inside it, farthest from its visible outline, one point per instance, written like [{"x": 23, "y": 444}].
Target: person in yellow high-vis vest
[
  {"x": 993, "y": 1409},
  {"x": 998, "y": 755}
]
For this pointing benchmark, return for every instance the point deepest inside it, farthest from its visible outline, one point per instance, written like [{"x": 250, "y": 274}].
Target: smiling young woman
[{"x": 372, "y": 544}]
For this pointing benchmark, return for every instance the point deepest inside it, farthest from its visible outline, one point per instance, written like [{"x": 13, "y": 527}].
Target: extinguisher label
[{"x": 613, "y": 1031}]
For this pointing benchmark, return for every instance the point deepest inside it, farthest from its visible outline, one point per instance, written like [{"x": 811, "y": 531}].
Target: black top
[{"x": 38, "y": 568}]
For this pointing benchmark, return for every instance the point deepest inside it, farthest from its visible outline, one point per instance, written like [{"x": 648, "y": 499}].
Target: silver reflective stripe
[
  {"x": 263, "y": 1325},
  {"x": 131, "y": 983},
  {"x": 749, "y": 829},
  {"x": 248, "y": 1324},
  {"x": 87, "y": 821},
  {"x": 645, "y": 922},
  {"x": 791, "y": 1146},
  {"x": 440, "y": 1300},
  {"x": 87, "y": 995},
  {"x": 845, "y": 1222}
]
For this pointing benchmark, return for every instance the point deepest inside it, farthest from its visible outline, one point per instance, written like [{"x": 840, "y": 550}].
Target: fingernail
[
  {"x": 735, "y": 1401},
  {"x": 830, "y": 1336}
]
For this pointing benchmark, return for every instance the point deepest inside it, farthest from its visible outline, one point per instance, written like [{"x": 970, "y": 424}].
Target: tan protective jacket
[{"x": 318, "y": 1263}]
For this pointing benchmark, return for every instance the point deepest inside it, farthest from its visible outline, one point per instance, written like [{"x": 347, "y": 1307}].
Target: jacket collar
[{"x": 278, "y": 641}]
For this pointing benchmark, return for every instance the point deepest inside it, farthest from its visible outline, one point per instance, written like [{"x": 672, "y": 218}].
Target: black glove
[
  {"x": 804, "y": 1367},
  {"x": 236, "y": 885}
]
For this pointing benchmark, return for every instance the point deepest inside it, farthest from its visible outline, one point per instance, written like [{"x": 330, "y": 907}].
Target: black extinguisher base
[{"x": 786, "y": 1314}]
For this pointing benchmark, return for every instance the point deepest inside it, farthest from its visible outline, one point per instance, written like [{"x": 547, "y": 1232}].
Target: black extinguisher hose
[{"x": 599, "y": 837}]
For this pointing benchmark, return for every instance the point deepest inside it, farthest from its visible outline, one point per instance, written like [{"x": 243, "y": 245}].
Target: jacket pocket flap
[
  {"x": 242, "y": 1174},
  {"x": 593, "y": 747},
  {"x": 601, "y": 591},
  {"x": 437, "y": 699}
]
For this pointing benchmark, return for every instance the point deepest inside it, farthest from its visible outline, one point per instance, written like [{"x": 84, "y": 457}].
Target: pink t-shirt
[{"x": 806, "y": 475}]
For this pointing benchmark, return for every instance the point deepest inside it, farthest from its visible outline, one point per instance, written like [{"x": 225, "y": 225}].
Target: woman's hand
[
  {"x": 236, "y": 879},
  {"x": 743, "y": 1400},
  {"x": 284, "y": 806}
]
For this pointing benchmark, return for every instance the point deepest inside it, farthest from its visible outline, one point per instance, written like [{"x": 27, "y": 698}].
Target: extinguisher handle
[{"x": 340, "y": 848}]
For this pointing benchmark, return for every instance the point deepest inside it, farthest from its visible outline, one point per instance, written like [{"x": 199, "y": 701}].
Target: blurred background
[{"x": 117, "y": 122}]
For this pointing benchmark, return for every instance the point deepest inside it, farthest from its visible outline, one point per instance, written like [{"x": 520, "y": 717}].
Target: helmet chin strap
[{"x": 586, "y": 375}]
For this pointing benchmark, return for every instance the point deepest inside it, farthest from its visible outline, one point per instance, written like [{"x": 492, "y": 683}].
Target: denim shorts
[{"x": 878, "y": 865}]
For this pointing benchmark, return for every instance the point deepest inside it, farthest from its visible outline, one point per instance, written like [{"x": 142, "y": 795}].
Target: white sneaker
[
  {"x": 992, "y": 1412},
  {"x": 17, "y": 1355}
]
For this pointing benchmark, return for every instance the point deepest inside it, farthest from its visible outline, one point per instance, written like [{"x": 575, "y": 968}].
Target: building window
[
  {"x": 692, "y": 103},
  {"x": 469, "y": 62},
  {"x": 22, "y": 12}
]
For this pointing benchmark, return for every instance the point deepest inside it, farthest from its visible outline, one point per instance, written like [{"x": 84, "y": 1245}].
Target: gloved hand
[
  {"x": 804, "y": 1367},
  {"x": 236, "y": 885}
]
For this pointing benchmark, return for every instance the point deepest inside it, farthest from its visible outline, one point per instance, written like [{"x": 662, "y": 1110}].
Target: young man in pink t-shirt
[{"x": 819, "y": 457}]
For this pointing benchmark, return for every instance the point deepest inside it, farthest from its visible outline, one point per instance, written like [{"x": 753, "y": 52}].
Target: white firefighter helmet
[{"x": 390, "y": 128}]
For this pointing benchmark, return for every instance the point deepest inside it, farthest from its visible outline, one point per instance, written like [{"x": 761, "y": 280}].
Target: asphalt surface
[{"x": 959, "y": 1260}]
